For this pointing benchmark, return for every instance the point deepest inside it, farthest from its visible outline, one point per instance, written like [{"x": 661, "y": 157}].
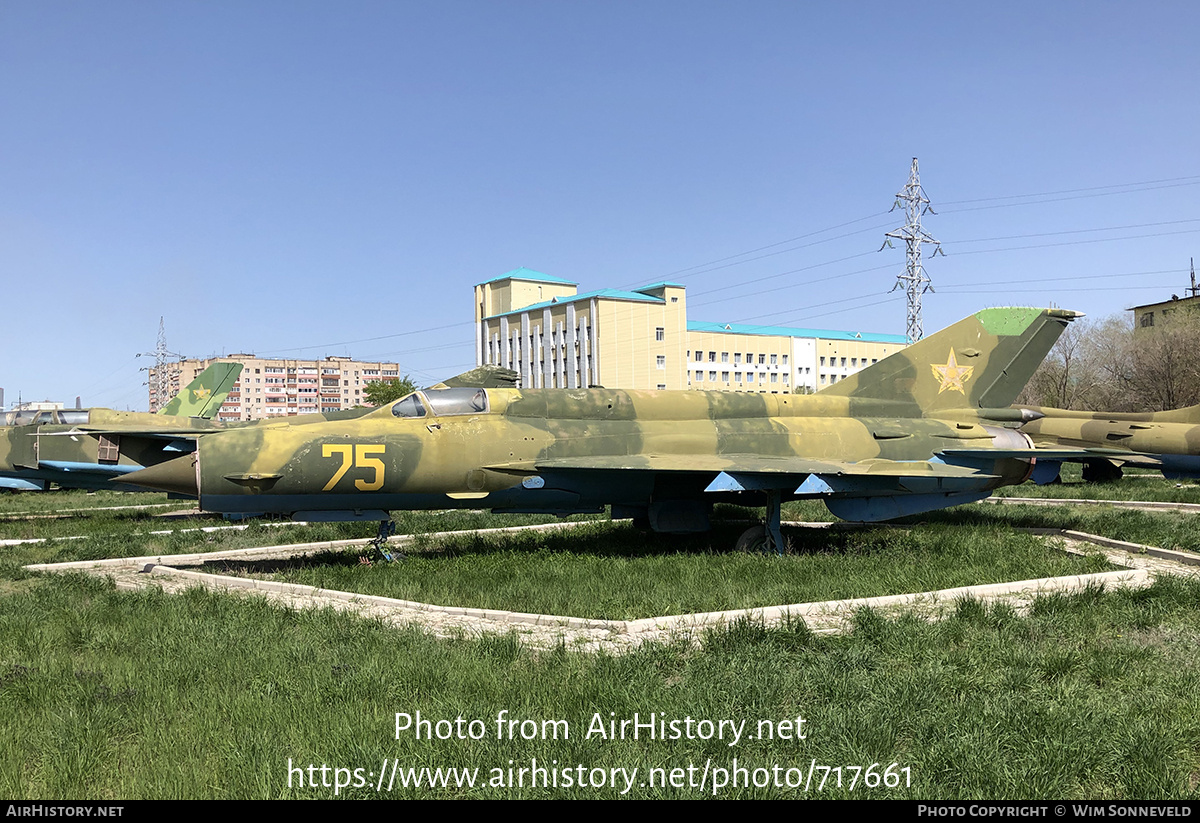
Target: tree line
[{"x": 1113, "y": 365}]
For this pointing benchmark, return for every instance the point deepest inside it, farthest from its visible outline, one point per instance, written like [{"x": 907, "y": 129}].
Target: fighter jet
[
  {"x": 1104, "y": 442},
  {"x": 90, "y": 448},
  {"x": 924, "y": 429},
  {"x": 82, "y": 448}
]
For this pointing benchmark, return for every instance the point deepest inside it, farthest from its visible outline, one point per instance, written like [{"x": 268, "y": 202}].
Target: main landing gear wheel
[
  {"x": 766, "y": 538},
  {"x": 1101, "y": 471},
  {"x": 753, "y": 539}
]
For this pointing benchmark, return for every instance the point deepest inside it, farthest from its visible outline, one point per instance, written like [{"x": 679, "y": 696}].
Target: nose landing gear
[{"x": 380, "y": 542}]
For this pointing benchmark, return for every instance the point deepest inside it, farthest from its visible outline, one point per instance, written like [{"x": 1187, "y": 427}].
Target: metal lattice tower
[
  {"x": 160, "y": 374},
  {"x": 916, "y": 204}
]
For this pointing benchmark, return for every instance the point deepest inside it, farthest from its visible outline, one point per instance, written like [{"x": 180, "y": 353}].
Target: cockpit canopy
[
  {"x": 443, "y": 403},
  {"x": 45, "y": 417}
]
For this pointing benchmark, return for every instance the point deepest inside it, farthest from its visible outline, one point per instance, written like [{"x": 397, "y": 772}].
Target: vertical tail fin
[
  {"x": 204, "y": 395},
  {"x": 983, "y": 362}
]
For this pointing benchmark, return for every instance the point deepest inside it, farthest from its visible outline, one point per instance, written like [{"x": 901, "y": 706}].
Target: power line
[
  {"x": 820, "y": 305},
  {"x": 889, "y": 299},
  {"x": 1080, "y": 231},
  {"x": 1077, "y": 242},
  {"x": 1092, "y": 191},
  {"x": 792, "y": 271},
  {"x": 1064, "y": 199},
  {"x": 1194, "y": 179},
  {"x": 773, "y": 245},
  {"x": 369, "y": 339},
  {"x": 970, "y": 290},
  {"x": 782, "y": 251},
  {"x": 1073, "y": 277}
]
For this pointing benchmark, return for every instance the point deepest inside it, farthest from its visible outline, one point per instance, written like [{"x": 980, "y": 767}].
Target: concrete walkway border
[{"x": 1143, "y": 564}]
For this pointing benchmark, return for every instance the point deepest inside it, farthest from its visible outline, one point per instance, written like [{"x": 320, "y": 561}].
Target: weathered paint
[
  {"x": 69, "y": 452},
  {"x": 877, "y": 434},
  {"x": 1169, "y": 441}
]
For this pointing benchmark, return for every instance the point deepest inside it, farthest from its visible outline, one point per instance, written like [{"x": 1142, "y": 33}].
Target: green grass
[
  {"x": 1137, "y": 484},
  {"x": 1168, "y": 530},
  {"x": 611, "y": 571},
  {"x": 60, "y": 501},
  {"x": 113, "y": 694}
]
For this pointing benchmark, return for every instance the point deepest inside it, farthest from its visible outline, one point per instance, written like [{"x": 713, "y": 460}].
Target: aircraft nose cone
[{"x": 177, "y": 476}]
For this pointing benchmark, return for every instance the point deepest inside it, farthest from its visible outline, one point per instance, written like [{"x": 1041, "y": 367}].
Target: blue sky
[{"x": 302, "y": 179}]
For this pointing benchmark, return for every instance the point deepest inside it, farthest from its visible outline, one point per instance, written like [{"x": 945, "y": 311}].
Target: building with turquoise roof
[{"x": 555, "y": 336}]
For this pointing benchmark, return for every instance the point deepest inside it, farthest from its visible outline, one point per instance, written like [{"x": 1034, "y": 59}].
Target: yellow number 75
[{"x": 360, "y": 457}]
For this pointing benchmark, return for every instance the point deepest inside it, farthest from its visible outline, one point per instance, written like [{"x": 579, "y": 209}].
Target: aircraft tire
[
  {"x": 1101, "y": 471},
  {"x": 752, "y": 540}
]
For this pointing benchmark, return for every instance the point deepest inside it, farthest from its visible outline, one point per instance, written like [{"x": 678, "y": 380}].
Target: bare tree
[
  {"x": 1166, "y": 362},
  {"x": 1072, "y": 375},
  {"x": 1108, "y": 365}
]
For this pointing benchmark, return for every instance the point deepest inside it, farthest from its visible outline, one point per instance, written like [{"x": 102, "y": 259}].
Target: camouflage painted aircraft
[
  {"x": 1106, "y": 441},
  {"x": 89, "y": 448},
  {"x": 924, "y": 429},
  {"x": 82, "y": 448}
]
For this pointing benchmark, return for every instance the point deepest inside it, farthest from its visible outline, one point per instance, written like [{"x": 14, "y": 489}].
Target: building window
[
  {"x": 737, "y": 377},
  {"x": 660, "y": 334},
  {"x": 699, "y": 377},
  {"x": 843, "y": 362},
  {"x": 699, "y": 356},
  {"x": 712, "y": 377},
  {"x": 749, "y": 377},
  {"x": 762, "y": 360},
  {"x": 774, "y": 360},
  {"x": 724, "y": 377},
  {"x": 737, "y": 358},
  {"x": 1147, "y": 319},
  {"x": 662, "y": 361},
  {"x": 712, "y": 357},
  {"x": 724, "y": 357},
  {"x": 662, "y": 386}
]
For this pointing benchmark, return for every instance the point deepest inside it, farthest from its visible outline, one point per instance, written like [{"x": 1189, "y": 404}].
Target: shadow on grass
[{"x": 602, "y": 540}]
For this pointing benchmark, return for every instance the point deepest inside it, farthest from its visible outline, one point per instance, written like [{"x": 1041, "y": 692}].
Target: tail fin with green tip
[
  {"x": 981, "y": 362},
  {"x": 204, "y": 395}
]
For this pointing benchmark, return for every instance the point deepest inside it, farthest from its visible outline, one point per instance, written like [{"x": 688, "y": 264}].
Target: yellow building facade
[
  {"x": 1155, "y": 314},
  {"x": 554, "y": 337}
]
